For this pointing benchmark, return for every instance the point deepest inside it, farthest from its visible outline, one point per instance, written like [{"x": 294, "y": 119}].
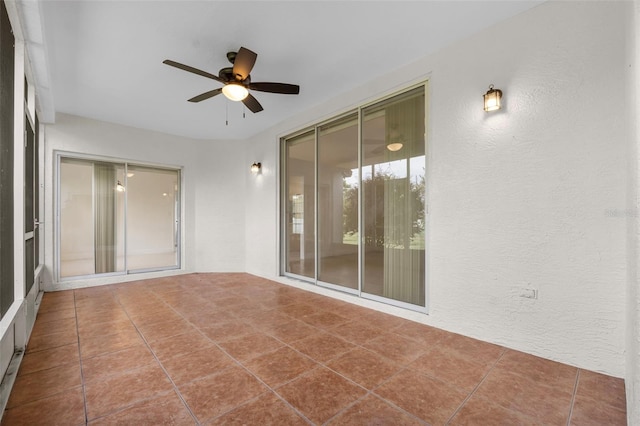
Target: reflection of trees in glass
[{"x": 380, "y": 189}]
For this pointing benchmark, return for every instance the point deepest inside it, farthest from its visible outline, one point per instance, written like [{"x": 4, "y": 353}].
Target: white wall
[
  {"x": 220, "y": 206},
  {"x": 211, "y": 197},
  {"x": 632, "y": 376},
  {"x": 532, "y": 196}
]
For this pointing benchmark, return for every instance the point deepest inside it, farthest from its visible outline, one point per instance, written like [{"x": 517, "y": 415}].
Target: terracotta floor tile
[
  {"x": 382, "y": 320},
  {"x": 52, "y": 340},
  {"x": 299, "y": 310},
  {"x": 425, "y": 397},
  {"x": 323, "y": 346},
  {"x": 195, "y": 365},
  {"x": 162, "y": 330},
  {"x": 545, "y": 403},
  {"x": 477, "y": 411},
  {"x": 113, "y": 363},
  {"x": 371, "y": 410},
  {"x": 397, "y": 348},
  {"x": 56, "y": 315},
  {"x": 602, "y": 388},
  {"x": 587, "y": 411},
  {"x": 281, "y": 366},
  {"x": 324, "y": 320},
  {"x": 250, "y": 346},
  {"x": 217, "y": 394},
  {"x": 320, "y": 394},
  {"x": 227, "y": 339},
  {"x": 540, "y": 370},
  {"x": 97, "y": 345},
  {"x": 58, "y": 326},
  {"x": 207, "y": 318},
  {"x": 364, "y": 367},
  {"x": 117, "y": 392},
  {"x": 167, "y": 409},
  {"x": 144, "y": 316},
  {"x": 429, "y": 336},
  {"x": 44, "y": 383},
  {"x": 102, "y": 315},
  {"x": 291, "y": 331},
  {"x": 267, "y": 409},
  {"x": 357, "y": 332},
  {"x": 449, "y": 366},
  {"x": 479, "y": 351},
  {"x": 63, "y": 409},
  {"x": 179, "y": 345},
  {"x": 45, "y": 359},
  {"x": 267, "y": 319},
  {"x": 89, "y": 328},
  {"x": 224, "y": 331}
]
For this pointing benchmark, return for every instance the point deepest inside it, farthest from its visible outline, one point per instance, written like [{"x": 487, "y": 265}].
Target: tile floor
[{"x": 213, "y": 349}]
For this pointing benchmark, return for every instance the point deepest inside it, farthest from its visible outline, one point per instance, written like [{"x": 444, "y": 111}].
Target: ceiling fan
[{"x": 237, "y": 80}]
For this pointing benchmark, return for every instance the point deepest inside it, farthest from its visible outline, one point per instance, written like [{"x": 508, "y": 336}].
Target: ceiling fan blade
[
  {"x": 284, "y": 88},
  {"x": 206, "y": 95},
  {"x": 192, "y": 69},
  {"x": 252, "y": 103},
  {"x": 243, "y": 64}
]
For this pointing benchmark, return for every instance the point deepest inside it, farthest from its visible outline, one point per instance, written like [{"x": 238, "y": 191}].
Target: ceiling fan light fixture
[
  {"x": 394, "y": 146},
  {"x": 235, "y": 92}
]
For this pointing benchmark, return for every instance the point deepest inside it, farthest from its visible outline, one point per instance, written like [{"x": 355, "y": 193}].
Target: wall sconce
[
  {"x": 119, "y": 187},
  {"x": 255, "y": 167},
  {"x": 492, "y": 99}
]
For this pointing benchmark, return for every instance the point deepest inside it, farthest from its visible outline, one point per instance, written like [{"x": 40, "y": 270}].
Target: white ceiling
[{"x": 104, "y": 58}]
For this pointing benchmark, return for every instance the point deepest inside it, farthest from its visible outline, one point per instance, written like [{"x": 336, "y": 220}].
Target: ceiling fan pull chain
[
  {"x": 243, "y": 111},
  {"x": 226, "y": 107}
]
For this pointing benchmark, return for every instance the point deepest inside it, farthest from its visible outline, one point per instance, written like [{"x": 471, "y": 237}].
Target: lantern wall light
[{"x": 492, "y": 99}]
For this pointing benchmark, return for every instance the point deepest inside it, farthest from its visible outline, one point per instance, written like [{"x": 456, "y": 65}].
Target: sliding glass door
[
  {"x": 116, "y": 218},
  {"x": 300, "y": 205},
  {"x": 338, "y": 202},
  {"x": 354, "y": 214},
  {"x": 393, "y": 178}
]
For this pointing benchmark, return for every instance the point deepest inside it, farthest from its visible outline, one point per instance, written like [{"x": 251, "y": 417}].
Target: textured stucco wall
[{"x": 532, "y": 196}]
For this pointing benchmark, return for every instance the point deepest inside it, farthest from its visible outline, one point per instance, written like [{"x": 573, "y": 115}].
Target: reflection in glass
[
  {"x": 91, "y": 234},
  {"x": 393, "y": 185},
  {"x": 299, "y": 188},
  {"x": 152, "y": 207},
  {"x": 338, "y": 202},
  {"x": 99, "y": 203}
]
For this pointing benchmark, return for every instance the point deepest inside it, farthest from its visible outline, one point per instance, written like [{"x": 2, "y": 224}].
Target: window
[
  {"x": 116, "y": 218},
  {"x": 353, "y": 202},
  {"x": 6, "y": 160}
]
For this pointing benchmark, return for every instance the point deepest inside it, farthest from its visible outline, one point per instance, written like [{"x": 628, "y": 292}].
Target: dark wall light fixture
[
  {"x": 255, "y": 168},
  {"x": 119, "y": 187},
  {"x": 492, "y": 99}
]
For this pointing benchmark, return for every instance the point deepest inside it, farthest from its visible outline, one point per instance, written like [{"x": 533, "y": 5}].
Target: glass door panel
[
  {"x": 299, "y": 187},
  {"x": 91, "y": 234},
  {"x": 393, "y": 185},
  {"x": 338, "y": 202},
  {"x": 152, "y": 221}
]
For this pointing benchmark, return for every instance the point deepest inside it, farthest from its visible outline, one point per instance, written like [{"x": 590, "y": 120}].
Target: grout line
[
  {"x": 462, "y": 404},
  {"x": 175, "y": 387},
  {"x": 573, "y": 397},
  {"x": 82, "y": 381}
]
